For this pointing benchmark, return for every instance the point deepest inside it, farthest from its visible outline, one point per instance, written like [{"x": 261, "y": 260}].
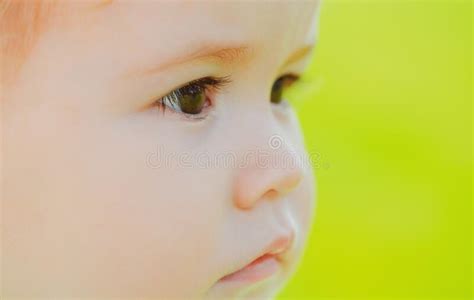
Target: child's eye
[
  {"x": 191, "y": 99},
  {"x": 279, "y": 86}
]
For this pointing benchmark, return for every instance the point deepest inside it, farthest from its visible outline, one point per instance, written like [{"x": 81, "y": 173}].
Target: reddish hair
[{"x": 21, "y": 22}]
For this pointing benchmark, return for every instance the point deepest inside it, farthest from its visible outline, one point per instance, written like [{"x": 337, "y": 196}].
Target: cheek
[
  {"x": 304, "y": 198},
  {"x": 96, "y": 206},
  {"x": 305, "y": 203},
  {"x": 160, "y": 224}
]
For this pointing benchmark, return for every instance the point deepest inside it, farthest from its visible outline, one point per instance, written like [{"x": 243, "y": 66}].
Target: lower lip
[{"x": 258, "y": 270}]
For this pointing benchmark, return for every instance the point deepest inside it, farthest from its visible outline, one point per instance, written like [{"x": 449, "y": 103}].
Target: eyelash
[{"x": 208, "y": 85}]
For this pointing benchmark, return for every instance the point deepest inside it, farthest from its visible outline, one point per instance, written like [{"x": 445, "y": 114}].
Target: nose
[{"x": 270, "y": 175}]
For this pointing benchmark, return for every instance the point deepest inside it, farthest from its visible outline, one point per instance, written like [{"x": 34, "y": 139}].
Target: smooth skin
[{"x": 89, "y": 208}]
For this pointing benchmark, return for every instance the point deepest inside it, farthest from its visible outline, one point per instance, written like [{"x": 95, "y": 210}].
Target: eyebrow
[
  {"x": 101, "y": 4},
  {"x": 223, "y": 55},
  {"x": 299, "y": 54}
]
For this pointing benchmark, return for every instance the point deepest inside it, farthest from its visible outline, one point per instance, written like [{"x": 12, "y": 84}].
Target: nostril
[{"x": 270, "y": 194}]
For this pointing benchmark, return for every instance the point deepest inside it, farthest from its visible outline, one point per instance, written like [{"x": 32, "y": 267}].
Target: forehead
[
  {"x": 115, "y": 37},
  {"x": 224, "y": 11},
  {"x": 177, "y": 21}
]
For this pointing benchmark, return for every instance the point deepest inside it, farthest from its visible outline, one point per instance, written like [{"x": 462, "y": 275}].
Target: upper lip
[
  {"x": 279, "y": 245},
  {"x": 276, "y": 247}
]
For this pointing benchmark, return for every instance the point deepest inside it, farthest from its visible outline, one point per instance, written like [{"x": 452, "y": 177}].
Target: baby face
[{"x": 148, "y": 152}]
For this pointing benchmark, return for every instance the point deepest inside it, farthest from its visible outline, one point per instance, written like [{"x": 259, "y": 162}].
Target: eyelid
[
  {"x": 204, "y": 82},
  {"x": 208, "y": 84},
  {"x": 293, "y": 77}
]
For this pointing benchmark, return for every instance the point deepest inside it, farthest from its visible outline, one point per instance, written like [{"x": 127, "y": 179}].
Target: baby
[{"x": 146, "y": 148}]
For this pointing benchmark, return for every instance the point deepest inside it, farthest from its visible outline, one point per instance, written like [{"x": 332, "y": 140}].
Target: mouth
[
  {"x": 259, "y": 269},
  {"x": 264, "y": 266}
]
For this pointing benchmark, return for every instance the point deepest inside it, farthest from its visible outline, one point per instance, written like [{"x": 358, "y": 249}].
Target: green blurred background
[{"x": 388, "y": 111}]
